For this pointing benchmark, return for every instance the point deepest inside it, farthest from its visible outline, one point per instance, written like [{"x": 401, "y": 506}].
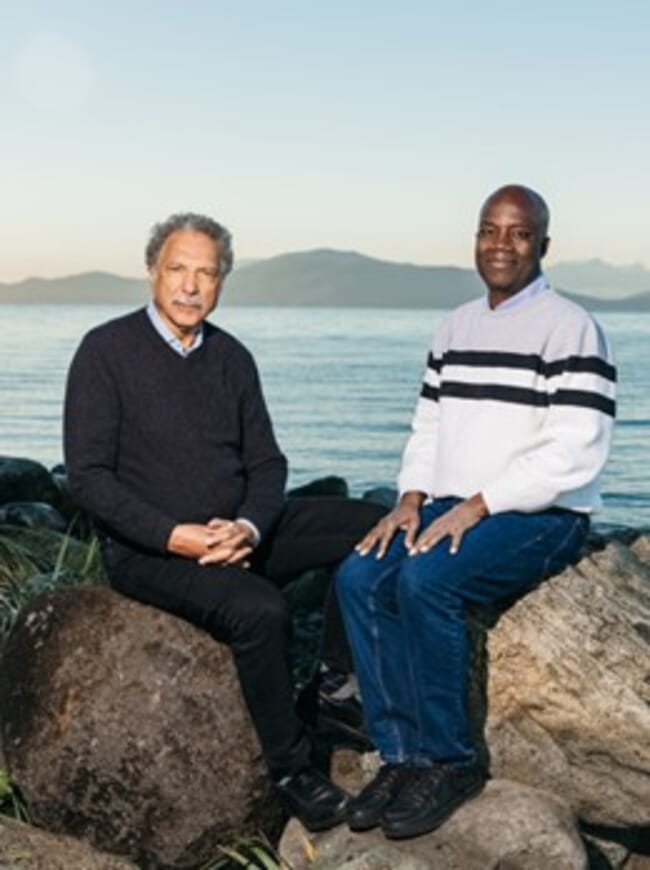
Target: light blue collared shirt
[
  {"x": 175, "y": 343},
  {"x": 168, "y": 336},
  {"x": 529, "y": 292}
]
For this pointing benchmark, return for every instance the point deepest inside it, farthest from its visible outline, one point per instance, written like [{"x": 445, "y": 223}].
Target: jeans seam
[
  {"x": 547, "y": 562},
  {"x": 374, "y": 633}
]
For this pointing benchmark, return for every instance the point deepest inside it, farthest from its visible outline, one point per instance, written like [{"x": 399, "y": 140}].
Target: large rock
[
  {"x": 126, "y": 726},
  {"x": 569, "y": 686},
  {"x": 24, "y": 847},
  {"x": 26, "y": 480},
  {"x": 509, "y": 826}
]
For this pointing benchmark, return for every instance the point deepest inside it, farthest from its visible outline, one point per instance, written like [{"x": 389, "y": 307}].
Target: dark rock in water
[
  {"x": 79, "y": 522},
  {"x": 384, "y": 495},
  {"x": 328, "y": 486},
  {"x": 32, "y": 515},
  {"x": 126, "y": 726},
  {"x": 26, "y": 480}
]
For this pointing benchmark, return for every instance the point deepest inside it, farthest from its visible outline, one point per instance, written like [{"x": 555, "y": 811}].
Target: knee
[
  {"x": 421, "y": 580},
  {"x": 255, "y": 617},
  {"x": 354, "y": 577},
  {"x": 270, "y": 615}
]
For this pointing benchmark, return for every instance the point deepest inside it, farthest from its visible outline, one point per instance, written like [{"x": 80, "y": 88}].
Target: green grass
[
  {"x": 11, "y": 804},
  {"x": 37, "y": 561}
]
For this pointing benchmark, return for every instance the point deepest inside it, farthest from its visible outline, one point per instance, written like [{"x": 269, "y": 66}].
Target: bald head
[
  {"x": 511, "y": 241},
  {"x": 526, "y": 198}
]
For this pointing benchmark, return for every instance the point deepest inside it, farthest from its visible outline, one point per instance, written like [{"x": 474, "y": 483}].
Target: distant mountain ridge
[
  {"x": 332, "y": 278},
  {"x": 597, "y": 278}
]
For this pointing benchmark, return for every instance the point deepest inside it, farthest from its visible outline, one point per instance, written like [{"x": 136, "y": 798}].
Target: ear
[{"x": 543, "y": 248}]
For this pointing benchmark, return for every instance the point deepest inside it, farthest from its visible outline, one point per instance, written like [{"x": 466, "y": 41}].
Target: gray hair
[{"x": 198, "y": 223}]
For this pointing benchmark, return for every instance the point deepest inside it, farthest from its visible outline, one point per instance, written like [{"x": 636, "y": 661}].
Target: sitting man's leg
[
  {"x": 320, "y": 532},
  {"x": 502, "y": 557},
  {"x": 248, "y": 613}
]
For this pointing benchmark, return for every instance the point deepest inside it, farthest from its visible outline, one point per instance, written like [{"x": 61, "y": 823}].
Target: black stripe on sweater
[
  {"x": 531, "y": 361},
  {"x": 429, "y": 392},
  {"x": 522, "y": 396}
]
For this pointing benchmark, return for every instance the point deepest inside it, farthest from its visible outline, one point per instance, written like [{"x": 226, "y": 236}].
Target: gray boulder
[
  {"x": 569, "y": 686},
  {"x": 126, "y": 726},
  {"x": 26, "y": 480},
  {"x": 24, "y": 847},
  {"x": 509, "y": 827}
]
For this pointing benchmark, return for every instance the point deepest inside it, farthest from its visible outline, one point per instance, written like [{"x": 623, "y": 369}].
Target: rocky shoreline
[{"x": 109, "y": 712}]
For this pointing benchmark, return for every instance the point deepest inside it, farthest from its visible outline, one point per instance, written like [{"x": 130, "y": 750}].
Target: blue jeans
[{"x": 405, "y": 618}]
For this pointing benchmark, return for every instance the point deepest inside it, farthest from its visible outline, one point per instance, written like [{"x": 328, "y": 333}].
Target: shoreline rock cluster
[{"x": 124, "y": 726}]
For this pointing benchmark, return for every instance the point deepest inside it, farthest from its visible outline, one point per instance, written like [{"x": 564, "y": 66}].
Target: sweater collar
[
  {"x": 168, "y": 336},
  {"x": 529, "y": 292}
]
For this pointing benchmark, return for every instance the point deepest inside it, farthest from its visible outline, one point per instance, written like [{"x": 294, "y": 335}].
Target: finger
[
  {"x": 384, "y": 541},
  {"x": 226, "y": 532},
  {"x": 239, "y": 555},
  {"x": 429, "y": 538},
  {"x": 366, "y": 544},
  {"x": 215, "y": 522},
  {"x": 456, "y": 539},
  {"x": 217, "y": 555},
  {"x": 411, "y": 532}
]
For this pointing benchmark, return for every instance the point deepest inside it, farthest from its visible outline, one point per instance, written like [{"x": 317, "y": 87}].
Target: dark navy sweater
[{"x": 153, "y": 439}]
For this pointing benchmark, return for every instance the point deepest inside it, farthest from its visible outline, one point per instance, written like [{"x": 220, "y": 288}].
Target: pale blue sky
[{"x": 377, "y": 126}]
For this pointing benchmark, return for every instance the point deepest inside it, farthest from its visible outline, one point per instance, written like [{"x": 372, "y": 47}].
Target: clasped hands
[
  {"x": 406, "y": 517},
  {"x": 219, "y": 542}
]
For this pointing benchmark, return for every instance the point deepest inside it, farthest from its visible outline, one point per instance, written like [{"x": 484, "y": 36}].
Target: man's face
[
  {"x": 186, "y": 281},
  {"x": 510, "y": 242}
]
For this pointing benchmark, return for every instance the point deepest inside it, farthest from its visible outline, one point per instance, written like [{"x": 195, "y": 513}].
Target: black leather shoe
[
  {"x": 429, "y": 797},
  {"x": 365, "y": 810},
  {"x": 313, "y": 798}
]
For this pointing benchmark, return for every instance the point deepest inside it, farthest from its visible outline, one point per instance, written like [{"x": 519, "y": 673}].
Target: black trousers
[{"x": 246, "y": 610}]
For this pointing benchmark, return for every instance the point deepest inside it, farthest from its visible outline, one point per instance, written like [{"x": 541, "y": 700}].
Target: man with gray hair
[{"x": 169, "y": 445}]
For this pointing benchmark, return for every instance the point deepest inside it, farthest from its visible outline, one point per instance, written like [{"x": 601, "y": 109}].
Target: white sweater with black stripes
[{"x": 518, "y": 404}]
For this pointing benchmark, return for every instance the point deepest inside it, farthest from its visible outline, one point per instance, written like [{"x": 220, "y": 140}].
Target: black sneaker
[
  {"x": 365, "y": 810},
  {"x": 429, "y": 797},
  {"x": 316, "y": 801}
]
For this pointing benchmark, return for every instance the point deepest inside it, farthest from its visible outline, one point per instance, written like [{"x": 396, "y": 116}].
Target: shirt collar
[
  {"x": 529, "y": 292},
  {"x": 168, "y": 336}
]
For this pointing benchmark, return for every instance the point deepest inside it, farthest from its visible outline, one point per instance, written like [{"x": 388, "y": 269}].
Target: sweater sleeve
[
  {"x": 572, "y": 446},
  {"x": 92, "y": 418},
  {"x": 417, "y": 472},
  {"x": 265, "y": 465}
]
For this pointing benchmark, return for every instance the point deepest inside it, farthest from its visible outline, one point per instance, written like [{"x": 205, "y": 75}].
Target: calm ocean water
[{"x": 341, "y": 386}]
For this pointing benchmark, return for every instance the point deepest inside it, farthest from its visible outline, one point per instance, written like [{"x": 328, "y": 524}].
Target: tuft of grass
[
  {"x": 252, "y": 853},
  {"x": 32, "y": 563},
  {"x": 11, "y": 803}
]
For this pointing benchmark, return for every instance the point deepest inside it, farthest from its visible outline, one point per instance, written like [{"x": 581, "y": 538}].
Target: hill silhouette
[{"x": 323, "y": 277}]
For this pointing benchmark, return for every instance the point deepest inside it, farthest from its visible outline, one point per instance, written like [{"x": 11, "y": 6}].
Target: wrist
[
  {"x": 477, "y": 503},
  {"x": 251, "y": 530},
  {"x": 413, "y": 499}
]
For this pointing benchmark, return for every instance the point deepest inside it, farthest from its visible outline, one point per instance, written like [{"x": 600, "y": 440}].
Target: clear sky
[{"x": 356, "y": 124}]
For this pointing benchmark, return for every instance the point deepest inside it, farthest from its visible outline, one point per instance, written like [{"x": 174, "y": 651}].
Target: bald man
[{"x": 498, "y": 479}]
